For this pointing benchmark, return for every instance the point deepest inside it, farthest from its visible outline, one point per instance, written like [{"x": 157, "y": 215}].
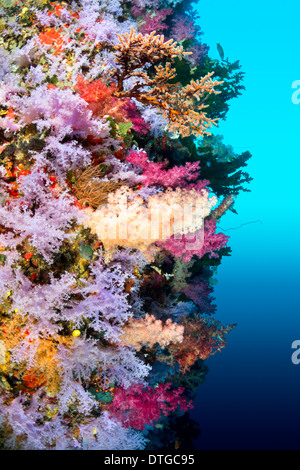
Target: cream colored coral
[
  {"x": 149, "y": 331},
  {"x": 126, "y": 220},
  {"x": 182, "y": 106}
]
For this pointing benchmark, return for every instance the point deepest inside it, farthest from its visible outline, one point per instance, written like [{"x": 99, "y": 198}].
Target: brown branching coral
[
  {"x": 89, "y": 189},
  {"x": 221, "y": 209},
  {"x": 136, "y": 50},
  {"x": 181, "y": 106}
]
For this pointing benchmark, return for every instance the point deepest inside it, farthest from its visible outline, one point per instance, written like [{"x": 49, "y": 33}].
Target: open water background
[{"x": 251, "y": 396}]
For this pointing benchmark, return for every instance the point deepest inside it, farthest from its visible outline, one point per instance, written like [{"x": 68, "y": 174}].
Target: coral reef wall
[{"x": 111, "y": 188}]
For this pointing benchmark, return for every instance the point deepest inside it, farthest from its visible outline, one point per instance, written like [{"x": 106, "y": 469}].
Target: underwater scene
[{"x": 146, "y": 279}]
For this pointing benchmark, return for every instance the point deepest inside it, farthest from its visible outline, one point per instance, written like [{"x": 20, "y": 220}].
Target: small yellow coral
[{"x": 76, "y": 333}]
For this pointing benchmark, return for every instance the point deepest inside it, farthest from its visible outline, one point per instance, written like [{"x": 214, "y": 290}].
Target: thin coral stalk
[{"x": 221, "y": 209}]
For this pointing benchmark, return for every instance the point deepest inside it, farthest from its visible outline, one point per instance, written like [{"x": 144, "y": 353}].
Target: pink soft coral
[
  {"x": 200, "y": 292},
  {"x": 183, "y": 28},
  {"x": 155, "y": 173},
  {"x": 198, "y": 243},
  {"x": 153, "y": 20}
]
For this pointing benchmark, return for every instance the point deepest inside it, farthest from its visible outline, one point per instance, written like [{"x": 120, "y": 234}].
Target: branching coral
[
  {"x": 181, "y": 106},
  {"x": 222, "y": 208}
]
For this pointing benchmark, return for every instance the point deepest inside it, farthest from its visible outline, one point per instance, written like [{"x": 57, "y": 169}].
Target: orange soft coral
[
  {"x": 52, "y": 37},
  {"x": 100, "y": 99}
]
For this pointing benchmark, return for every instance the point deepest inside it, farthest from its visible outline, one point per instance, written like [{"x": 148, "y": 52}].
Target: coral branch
[{"x": 181, "y": 106}]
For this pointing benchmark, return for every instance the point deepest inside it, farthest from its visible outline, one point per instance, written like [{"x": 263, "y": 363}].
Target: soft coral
[{"x": 100, "y": 99}]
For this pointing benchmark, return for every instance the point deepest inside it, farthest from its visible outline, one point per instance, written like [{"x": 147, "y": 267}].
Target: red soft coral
[
  {"x": 202, "y": 338},
  {"x": 139, "y": 125},
  {"x": 54, "y": 38},
  {"x": 138, "y": 406}
]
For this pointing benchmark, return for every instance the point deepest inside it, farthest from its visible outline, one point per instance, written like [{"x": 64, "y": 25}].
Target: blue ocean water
[{"x": 250, "y": 399}]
